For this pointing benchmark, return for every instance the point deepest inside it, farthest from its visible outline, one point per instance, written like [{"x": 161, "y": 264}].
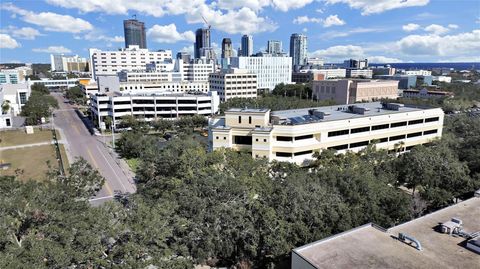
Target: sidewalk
[{"x": 27, "y": 145}]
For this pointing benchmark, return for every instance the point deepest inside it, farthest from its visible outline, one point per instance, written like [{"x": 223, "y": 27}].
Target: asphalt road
[{"x": 81, "y": 143}]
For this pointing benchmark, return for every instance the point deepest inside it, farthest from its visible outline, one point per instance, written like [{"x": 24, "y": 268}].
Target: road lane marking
[
  {"x": 109, "y": 190},
  {"x": 115, "y": 172}
]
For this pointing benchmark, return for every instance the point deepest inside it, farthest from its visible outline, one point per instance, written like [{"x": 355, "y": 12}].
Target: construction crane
[{"x": 206, "y": 22}]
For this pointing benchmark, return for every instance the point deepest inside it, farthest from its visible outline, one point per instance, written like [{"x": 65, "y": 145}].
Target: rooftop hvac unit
[
  {"x": 318, "y": 113},
  {"x": 358, "y": 109},
  {"x": 392, "y": 106}
]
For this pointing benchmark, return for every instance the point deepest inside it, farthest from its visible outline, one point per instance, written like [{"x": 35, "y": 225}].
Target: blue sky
[{"x": 381, "y": 30}]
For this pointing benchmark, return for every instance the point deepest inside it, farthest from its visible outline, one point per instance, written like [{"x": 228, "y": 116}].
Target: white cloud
[
  {"x": 169, "y": 34},
  {"x": 436, "y": 29},
  {"x": 50, "y": 21},
  {"x": 333, "y": 20},
  {"x": 148, "y": 7},
  {"x": 378, "y": 6},
  {"x": 339, "y": 52},
  {"x": 305, "y": 30},
  {"x": 410, "y": 27},
  {"x": 22, "y": 33},
  {"x": 222, "y": 15},
  {"x": 242, "y": 21},
  {"x": 7, "y": 42},
  {"x": 383, "y": 59},
  {"x": 463, "y": 44},
  {"x": 306, "y": 19},
  {"x": 359, "y": 30},
  {"x": 343, "y": 52},
  {"x": 319, "y": 10},
  {"x": 453, "y": 26},
  {"x": 283, "y": 5},
  {"x": 53, "y": 49},
  {"x": 97, "y": 35},
  {"x": 329, "y": 21}
]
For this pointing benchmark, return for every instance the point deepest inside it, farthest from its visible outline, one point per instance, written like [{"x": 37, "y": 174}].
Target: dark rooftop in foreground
[{"x": 370, "y": 246}]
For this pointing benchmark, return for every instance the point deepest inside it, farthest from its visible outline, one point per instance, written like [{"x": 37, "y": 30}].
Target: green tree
[
  {"x": 37, "y": 106},
  {"x": 75, "y": 94}
]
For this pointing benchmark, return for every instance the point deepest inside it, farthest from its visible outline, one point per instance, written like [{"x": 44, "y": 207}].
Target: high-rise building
[
  {"x": 271, "y": 70},
  {"x": 247, "y": 45},
  {"x": 274, "y": 47},
  {"x": 63, "y": 63},
  {"x": 134, "y": 31},
  {"x": 202, "y": 41},
  {"x": 358, "y": 64},
  {"x": 298, "y": 49},
  {"x": 227, "y": 49}
]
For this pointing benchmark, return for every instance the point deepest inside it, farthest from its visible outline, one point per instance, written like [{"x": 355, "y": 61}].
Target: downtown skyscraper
[
  {"x": 274, "y": 47},
  {"x": 227, "y": 49},
  {"x": 298, "y": 49},
  {"x": 247, "y": 45},
  {"x": 134, "y": 33}
]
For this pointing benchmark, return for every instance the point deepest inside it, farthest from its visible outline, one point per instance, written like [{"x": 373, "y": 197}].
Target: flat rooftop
[
  {"x": 370, "y": 246},
  {"x": 338, "y": 112},
  {"x": 248, "y": 110}
]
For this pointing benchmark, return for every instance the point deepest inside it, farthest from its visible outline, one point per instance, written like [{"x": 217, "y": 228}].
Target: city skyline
[{"x": 411, "y": 31}]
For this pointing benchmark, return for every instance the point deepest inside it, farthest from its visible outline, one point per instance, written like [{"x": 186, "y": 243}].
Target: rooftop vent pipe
[{"x": 404, "y": 237}]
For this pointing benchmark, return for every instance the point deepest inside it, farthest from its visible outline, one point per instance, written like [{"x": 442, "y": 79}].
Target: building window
[
  {"x": 264, "y": 140},
  {"x": 303, "y": 137},
  {"x": 338, "y": 133},
  {"x": 414, "y": 134},
  {"x": 7, "y": 122},
  {"x": 360, "y": 130},
  {"x": 243, "y": 140},
  {"x": 398, "y": 124},
  {"x": 249, "y": 120},
  {"x": 239, "y": 119},
  {"x": 412, "y": 122},
  {"x": 283, "y": 154},
  {"x": 224, "y": 138},
  {"x": 339, "y": 147},
  {"x": 358, "y": 144},
  {"x": 397, "y": 137},
  {"x": 256, "y": 139},
  {"x": 432, "y": 119},
  {"x": 284, "y": 138},
  {"x": 23, "y": 98},
  {"x": 303, "y": 152},
  {"x": 430, "y": 132},
  {"x": 379, "y": 127}
]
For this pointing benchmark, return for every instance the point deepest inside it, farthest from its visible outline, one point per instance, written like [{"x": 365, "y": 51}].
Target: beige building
[
  {"x": 346, "y": 91},
  {"x": 294, "y": 135},
  {"x": 233, "y": 83}
]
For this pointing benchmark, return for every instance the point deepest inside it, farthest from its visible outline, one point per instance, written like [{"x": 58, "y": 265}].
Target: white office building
[
  {"x": 445, "y": 79},
  {"x": 270, "y": 71},
  {"x": 233, "y": 83},
  {"x": 418, "y": 72},
  {"x": 56, "y": 83},
  {"x": 15, "y": 95},
  {"x": 150, "y": 106},
  {"x": 359, "y": 73},
  {"x": 327, "y": 73},
  {"x": 130, "y": 59}
]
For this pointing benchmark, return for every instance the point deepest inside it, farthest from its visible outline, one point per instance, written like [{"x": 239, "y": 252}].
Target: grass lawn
[
  {"x": 19, "y": 137},
  {"x": 133, "y": 164},
  {"x": 31, "y": 160}
]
